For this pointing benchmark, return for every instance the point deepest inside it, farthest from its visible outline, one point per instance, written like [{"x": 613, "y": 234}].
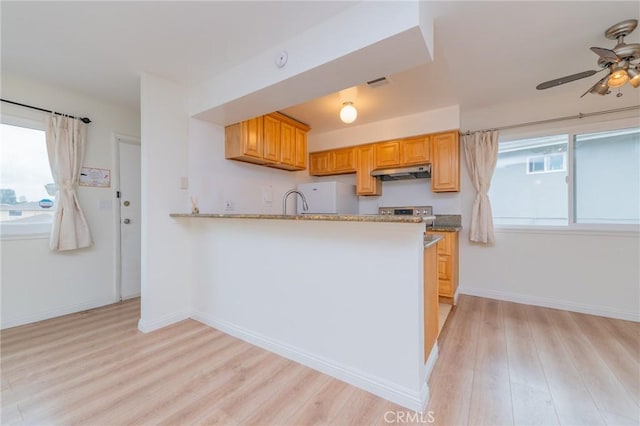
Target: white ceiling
[{"x": 485, "y": 52}]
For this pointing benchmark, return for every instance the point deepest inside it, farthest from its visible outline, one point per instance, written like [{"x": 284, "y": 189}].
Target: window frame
[
  {"x": 546, "y": 163},
  {"x": 29, "y": 231},
  {"x": 571, "y": 129}
]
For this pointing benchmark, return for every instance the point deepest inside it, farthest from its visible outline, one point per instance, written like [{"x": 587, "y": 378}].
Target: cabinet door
[
  {"x": 319, "y": 163},
  {"x": 343, "y": 161},
  {"x": 387, "y": 154},
  {"x": 445, "y": 173},
  {"x": 252, "y": 130},
  {"x": 287, "y": 144},
  {"x": 430, "y": 294},
  {"x": 271, "y": 139},
  {"x": 416, "y": 151},
  {"x": 365, "y": 183},
  {"x": 243, "y": 141},
  {"x": 301, "y": 149}
]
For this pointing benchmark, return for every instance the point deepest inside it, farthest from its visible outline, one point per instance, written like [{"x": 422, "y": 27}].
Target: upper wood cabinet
[
  {"x": 273, "y": 140},
  {"x": 403, "y": 152},
  {"x": 445, "y": 172},
  {"x": 440, "y": 149},
  {"x": 334, "y": 162},
  {"x": 243, "y": 141},
  {"x": 388, "y": 154},
  {"x": 365, "y": 183},
  {"x": 416, "y": 151},
  {"x": 301, "y": 149}
]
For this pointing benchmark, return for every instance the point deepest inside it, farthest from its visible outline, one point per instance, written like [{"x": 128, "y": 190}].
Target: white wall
[
  {"x": 166, "y": 276},
  {"x": 36, "y": 282},
  {"x": 344, "y": 298},
  {"x": 587, "y": 272},
  {"x": 214, "y": 180},
  {"x": 402, "y": 192}
]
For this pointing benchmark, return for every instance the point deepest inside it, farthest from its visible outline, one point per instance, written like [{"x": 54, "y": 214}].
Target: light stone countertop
[{"x": 326, "y": 217}]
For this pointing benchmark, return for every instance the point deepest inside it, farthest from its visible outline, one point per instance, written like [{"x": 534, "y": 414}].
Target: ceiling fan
[{"x": 617, "y": 61}]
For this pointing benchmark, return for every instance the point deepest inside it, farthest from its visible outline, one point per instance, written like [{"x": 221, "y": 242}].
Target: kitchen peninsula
[{"x": 343, "y": 294}]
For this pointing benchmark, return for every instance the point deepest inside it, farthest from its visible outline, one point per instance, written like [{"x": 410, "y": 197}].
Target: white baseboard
[
  {"x": 551, "y": 303},
  {"x": 132, "y": 296},
  {"x": 147, "y": 326},
  {"x": 398, "y": 394},
  {"x": 55, "y": 312}
]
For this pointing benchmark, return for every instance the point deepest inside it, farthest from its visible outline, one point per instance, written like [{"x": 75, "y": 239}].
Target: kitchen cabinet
[
  {"x": 403, "y": 152},
  {"x": 430, "y": 294},
  {"x": 441, "y": 150},
  {"x": 273, "y": 140},
  {"x": 445, "y": 171},
  {"x": 387, "y": 154},
  {"x": 344, "y": 160},
  {"x": 301, "y": 149},
  {"x": 416, "y": 151},
  {"x": 333, "y": 162},
  {"x": 243, "y": 141},
  {"x": 448, "y": 255},
  {"x": 365, "y": 183}
]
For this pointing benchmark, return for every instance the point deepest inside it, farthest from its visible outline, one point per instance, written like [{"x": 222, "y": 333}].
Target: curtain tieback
[{"x": 67, "y": 187}]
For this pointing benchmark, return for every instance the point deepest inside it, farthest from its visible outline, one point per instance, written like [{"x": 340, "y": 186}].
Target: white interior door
[{"x": 129, "y": 219}]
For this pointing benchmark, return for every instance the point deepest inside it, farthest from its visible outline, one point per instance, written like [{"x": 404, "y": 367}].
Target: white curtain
[
  {"x": 481, "y": 154},
  {"x": 65, "y": 146}
]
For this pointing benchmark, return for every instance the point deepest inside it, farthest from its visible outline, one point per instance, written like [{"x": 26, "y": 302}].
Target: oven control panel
[{"x": 420, "y": 211}]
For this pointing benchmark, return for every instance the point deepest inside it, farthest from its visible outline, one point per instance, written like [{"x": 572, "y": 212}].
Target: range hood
[{"x": 403, "y": 173}]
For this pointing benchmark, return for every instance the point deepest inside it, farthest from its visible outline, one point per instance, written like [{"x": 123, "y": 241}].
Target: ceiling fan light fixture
[
  {"x": 618, "y": 76},
  {"x": 601, "y": 88},
  {"x": 348, "y": 113},
  {"x": 634, "y": 77}
]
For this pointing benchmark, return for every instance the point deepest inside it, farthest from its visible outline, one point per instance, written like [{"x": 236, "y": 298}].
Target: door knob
[
  {"x": 127, "y": 221},
  {"x": 126, "y": 203}
]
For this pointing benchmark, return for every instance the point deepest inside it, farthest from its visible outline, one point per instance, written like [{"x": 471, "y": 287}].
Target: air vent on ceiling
[{"x": 378, "y": 82}]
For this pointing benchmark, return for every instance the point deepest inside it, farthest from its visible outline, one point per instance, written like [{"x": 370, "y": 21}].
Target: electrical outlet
[{"x": 228, "y": 205}]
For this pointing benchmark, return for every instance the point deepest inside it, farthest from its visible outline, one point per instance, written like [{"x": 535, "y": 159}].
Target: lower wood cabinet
[
  {"x": 430, "y": 292},
  {"x": 447, "y": 259}
]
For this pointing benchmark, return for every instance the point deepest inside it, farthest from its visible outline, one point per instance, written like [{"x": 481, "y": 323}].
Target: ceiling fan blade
[
  {"x": 563, "y": 80},
  {"x": 606, "y": 54}
]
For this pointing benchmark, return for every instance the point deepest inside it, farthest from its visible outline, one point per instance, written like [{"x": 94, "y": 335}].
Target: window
[
  {"x": 547, "y": 163},
  {"x": 27, "y": 191},
  {"x": 523, "y": 189},
  {"x": 534, "y": 183},
  {"x": 607, "y": 177}
]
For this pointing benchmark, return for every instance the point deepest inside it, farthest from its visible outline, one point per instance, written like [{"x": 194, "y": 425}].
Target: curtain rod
[
  {"x": 552, "y": 120},
  {"x": 83, "y": 119}
]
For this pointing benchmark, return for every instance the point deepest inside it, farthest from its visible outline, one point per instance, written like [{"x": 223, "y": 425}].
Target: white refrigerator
[{"x": 328, "y": 198}]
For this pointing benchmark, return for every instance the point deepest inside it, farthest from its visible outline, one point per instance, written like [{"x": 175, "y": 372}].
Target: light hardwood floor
[{"x": 500, "y": 363}]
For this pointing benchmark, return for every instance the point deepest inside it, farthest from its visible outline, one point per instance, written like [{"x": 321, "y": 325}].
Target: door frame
[{"x": 117, "y": 139}]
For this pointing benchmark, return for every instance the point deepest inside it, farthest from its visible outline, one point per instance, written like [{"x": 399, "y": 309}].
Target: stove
[{"x": 425, "y": 212}]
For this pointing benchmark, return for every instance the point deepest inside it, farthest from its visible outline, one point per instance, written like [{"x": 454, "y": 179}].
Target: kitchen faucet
[{"x": 305, "y": 206}]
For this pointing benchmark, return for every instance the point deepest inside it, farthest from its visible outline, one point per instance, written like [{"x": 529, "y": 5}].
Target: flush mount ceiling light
[
  {"x": 616, "y": 61},
  {"x": 348, "y": 113}
]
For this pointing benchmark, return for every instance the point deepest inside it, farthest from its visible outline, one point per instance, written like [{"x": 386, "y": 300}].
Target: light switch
[
  {"x": 267, "y": 196},
  {"x": 184, "y": 182}
]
